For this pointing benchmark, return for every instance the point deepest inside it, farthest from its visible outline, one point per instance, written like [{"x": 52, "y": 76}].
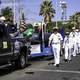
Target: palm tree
[
  {"x": 47, "y": 11},
  {"x": 7, "y": 13},
  {"x": 75, "y": 19}
]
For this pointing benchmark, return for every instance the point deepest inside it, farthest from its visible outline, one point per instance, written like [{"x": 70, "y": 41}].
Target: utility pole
[
  {"x": 56, "y": 14},
  {"x": 14, "y": 19},
  {"x": 20, "y": 12},
  {"x": 0, "y": 6},
  {"x": 42, "y": 26}
]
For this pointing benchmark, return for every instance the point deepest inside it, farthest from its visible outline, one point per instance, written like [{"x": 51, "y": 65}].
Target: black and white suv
[{"x": 12, "y": 49}]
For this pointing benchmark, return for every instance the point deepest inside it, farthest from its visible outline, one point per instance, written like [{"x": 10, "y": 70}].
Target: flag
[
  {"x": 62, "y": 32},
  {"x": 28, "y": 32}
]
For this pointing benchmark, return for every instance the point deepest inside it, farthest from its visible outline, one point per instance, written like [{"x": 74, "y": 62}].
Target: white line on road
[{"x": 60, "y": 71}]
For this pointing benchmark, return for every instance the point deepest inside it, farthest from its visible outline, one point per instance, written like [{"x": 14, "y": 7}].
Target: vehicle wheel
[{"x": 21, "y": 62}]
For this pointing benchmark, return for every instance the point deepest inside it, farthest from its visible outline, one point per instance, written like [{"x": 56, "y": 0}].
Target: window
[{"x": 2, "y": 31}]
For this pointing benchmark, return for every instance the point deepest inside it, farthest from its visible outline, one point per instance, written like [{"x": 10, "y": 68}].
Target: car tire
[{"x": 22, "y": 61}]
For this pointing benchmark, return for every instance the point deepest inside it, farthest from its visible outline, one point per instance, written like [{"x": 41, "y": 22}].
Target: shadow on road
[
  {"x": 10, "y": 69},
  {"x": 7, "y": 70}
]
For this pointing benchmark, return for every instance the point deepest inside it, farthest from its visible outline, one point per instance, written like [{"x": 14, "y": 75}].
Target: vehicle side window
[{"x": 2, "y": 32}]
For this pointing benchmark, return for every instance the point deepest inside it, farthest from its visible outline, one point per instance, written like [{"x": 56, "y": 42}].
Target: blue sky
[{"x": 32, "y": 7}]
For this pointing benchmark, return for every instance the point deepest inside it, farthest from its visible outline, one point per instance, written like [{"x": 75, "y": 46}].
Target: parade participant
[
  {"x": 55, "y": 40},
  {"x": 19, "y": 32},
  {"x": 22, "y": 26},
  {"x": 77, "y": 41},
  {"x": 66, "y": 46},
  {"x": 26, "y": 30},
  {"x": 2, "y": 19},
  {"x": 73, "y": 40}
]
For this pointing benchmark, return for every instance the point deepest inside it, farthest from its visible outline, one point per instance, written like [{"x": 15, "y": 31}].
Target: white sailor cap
[
  {"x": 77, "y": 30},
  {"x": 2, "y": 18},
  {"x": 55, "y": 28},
  {"x": 73, "y": 28}
]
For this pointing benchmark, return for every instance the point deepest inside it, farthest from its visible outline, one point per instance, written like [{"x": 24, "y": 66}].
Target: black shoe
[
  {"x": 50, "y": 63},
  {"x": 57, "y": 65},
  {"x": 65, "y": 60}
]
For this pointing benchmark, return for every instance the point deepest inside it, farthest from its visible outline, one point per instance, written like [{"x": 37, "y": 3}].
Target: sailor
[
  {"x": 73, "y": 40},
  {"x": 77, "y": 40},
  {"x": 55, "y": 40},
  {"x": 2, "y": 19},
  {"x": 66, "y": 47}
]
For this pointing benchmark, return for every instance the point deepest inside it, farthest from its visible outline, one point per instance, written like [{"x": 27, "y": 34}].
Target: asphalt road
[{"x": 41, "y": 70}]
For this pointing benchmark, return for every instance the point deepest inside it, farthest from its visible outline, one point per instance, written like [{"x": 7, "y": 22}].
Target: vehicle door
[{"x": 5, "y": 42}]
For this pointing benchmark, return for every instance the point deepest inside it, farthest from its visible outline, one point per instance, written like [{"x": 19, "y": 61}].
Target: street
[{"x": 42, "y": 70}]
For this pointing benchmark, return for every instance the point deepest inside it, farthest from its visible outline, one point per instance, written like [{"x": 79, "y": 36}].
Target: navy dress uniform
[
  {"x": 73, "y": 40},
  {"x": 77, "y": 41},
  {"x": 55, "y": 41},
  {"x": 66, "y": 45}
]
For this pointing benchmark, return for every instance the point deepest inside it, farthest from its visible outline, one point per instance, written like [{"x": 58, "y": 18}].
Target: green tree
[
  {"x": 7, "y": 13},
  {"x": 75, "y": 19},
  {"x": 47, "y": 11}
]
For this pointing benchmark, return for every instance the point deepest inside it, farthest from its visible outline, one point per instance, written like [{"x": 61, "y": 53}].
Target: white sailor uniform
[
  {"x": 56, "y": 46},
  {"x": 66, "y": 47},
  {"x": 73, "y": 40}
]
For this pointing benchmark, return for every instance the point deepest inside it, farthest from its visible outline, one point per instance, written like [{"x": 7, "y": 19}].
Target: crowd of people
[{"x": 70, "y": 44}]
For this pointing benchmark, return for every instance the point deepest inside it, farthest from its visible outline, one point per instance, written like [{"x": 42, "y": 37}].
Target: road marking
[{"x": 60, "y": 71}]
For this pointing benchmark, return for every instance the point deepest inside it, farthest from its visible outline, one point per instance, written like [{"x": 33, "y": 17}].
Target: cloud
[{"x": 10, "y": 1}]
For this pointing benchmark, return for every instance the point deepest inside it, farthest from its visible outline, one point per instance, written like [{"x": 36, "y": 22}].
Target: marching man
[
  {"x": 66, "y": 47},
  {"x": 79, "y": 41},
  {"x": 73, "y": 40},
  {"x": 55, "y": 40}
]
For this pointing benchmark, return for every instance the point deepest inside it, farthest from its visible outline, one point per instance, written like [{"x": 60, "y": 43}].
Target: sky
[{"x": 31, "y": 8}]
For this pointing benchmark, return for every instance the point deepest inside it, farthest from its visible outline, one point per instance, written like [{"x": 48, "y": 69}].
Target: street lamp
[
  {"x": 63, "y": 6},
  {"x": 21, "y": 12},
  {"x": 0, "y": 7}
]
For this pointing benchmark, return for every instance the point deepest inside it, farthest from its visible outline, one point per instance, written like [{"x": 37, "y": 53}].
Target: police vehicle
[{"x": 12, "y": 49}]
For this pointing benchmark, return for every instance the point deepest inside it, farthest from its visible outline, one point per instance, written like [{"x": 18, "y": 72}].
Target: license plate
[{"x": 5, "y": 45}]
